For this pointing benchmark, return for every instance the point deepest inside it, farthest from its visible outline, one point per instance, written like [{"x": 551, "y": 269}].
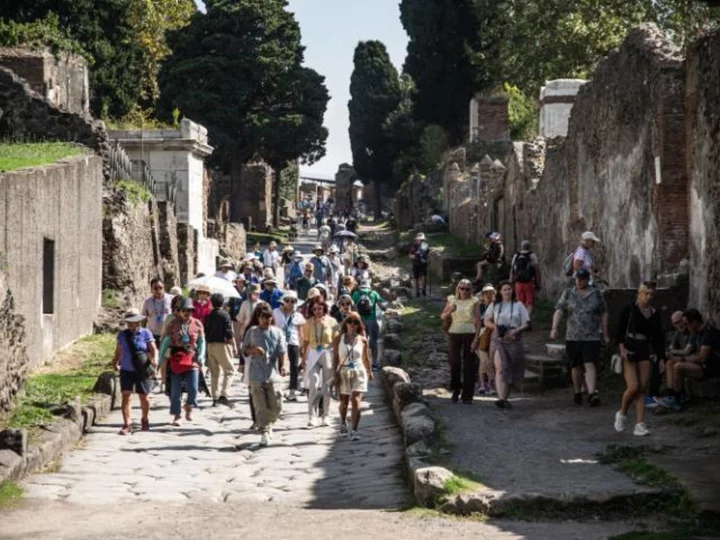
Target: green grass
[
  {"x": 453, "y": 246},
  {"x": 265, "y": 238},
  {"x": 631, "y": 461},
  {"x": 458, "y": 483},
  {"x": 78, "y": 369},
  {"x": 111, "y": 299},
  {"x": 9, "y": 493},
  {"x": 137, "y": 193},
  {"x": 16, "y": 155}
]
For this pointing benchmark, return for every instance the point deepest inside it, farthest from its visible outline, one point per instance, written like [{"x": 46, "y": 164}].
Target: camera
[{"x": 502, "y": 329}]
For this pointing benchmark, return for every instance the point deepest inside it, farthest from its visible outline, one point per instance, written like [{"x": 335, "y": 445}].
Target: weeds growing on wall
[{"x": 137, "y": 193}]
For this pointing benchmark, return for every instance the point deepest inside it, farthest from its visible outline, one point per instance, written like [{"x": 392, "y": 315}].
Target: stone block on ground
[
  {"x": 407, "y": 393},
  {"x": 556, "y": 350},
  {"x": 393, "y": 326},
  {"x": 109, "y": 384},
  {"x": 417, "y": 423},
  {"x": 392, "y": 375},
  {"x": 392, "y": 357},
  {"x": 15, "y": 440},
  {"x": 429, "y": 484}
]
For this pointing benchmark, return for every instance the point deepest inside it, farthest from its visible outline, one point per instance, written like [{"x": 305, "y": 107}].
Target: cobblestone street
[{"x": 216, "y": 458}]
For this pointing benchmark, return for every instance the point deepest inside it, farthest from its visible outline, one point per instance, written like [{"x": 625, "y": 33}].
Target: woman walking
[
  {"x": 641, "y": 337},
  {"x": 265, "y": 344},
  {"x": 186, "y": 340},
  {"x": 352, "y": 368},
  {"x": 482, "y": 345},
  {"x": 459, "y": 311},
  {"x": 508, "y": 320},
  {"x": 133, "y": 343},
  {"x": 343, "y": 308},
  {"x": 290, "y": 321},
  {"x": 318, "y": 335}
]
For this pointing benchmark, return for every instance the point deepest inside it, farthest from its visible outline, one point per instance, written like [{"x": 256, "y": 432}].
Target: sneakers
[
  {"x": 325, "y": 421},
  {"x": 594, "y": 399},
  {"x": 354, "y": 436},
  {"x": 455, "y": 396},
  {"x": 292, "y": 396},
  {"x": 641, "y": 430},
  {"x": 265, "y": 439},
  {"x": 343, "y": 430},
  {"x": 650, "y": 402},
  {"x": 669, "y": 403},
  {"x": 311, "y": 422},
  {"x": 481, "y": 391},
  {"x": 577, "y": 398},
  {"x": 620, "y": 421}
]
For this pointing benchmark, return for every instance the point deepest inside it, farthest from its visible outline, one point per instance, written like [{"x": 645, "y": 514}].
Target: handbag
[
  {"x": 140, "y": 361},
  {"x": 484, "y": 341},
  {"x": 181, "y": 362},
  {"x": 616, "y": 361}
]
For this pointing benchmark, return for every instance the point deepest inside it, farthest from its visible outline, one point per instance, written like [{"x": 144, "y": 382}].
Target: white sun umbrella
[{"x": 216, "y": 285}]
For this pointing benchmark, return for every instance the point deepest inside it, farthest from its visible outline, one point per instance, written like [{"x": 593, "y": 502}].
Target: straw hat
[{"x": 203, "y": 288}]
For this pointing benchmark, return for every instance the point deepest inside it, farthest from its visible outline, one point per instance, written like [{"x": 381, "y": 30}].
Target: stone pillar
[
  {"x": 490, "y": 120},
  {"x": 556, "y": 102},
  {"x": 344, "y": 179},
  {"x": 251, "y": 200}
]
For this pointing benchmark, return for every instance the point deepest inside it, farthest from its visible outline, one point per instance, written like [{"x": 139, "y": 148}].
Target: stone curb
[
  {"x": 20, "y": 458},
  {"x": 416, "y": 421}
]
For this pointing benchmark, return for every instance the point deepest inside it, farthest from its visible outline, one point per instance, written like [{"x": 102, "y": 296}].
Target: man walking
[
  {"x": 221, "y": 349},
  {"x": 586, "y": 328},
  {"x": 419, "y": 253},
  {"x": 366, "y": 301},
  {"x": 157, "y": 308},
  {"x": 525, "y": 275}
]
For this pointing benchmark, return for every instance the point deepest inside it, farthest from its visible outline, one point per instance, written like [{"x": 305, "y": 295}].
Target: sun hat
[
  {"x": 268, "y": 273},
  {"x": 495, "y": 236},
  {"x": 288, "y": 248},
  {"x": 289, "y": 295},
  {"x": 240, "y": 277},
  {"x": 187, "y": 305},
  {"x": 365, "y": 284},
  {"x": 224, "y": 263},
  {"x": 334, "y": 249},
  {"x": 203, "y": 288},
  {"x": 589, "y": 235},
  {"x": 297, "y": 256},
  {"x": 420, "y": 236},
  {"x": 310, "y": 266},
  {"x": 175, "y": 291},
  {"x": 272, "y": 244},
  {"x": 312, "y": 293},
  {"x": 318, "y": 247},
  {"x": 270, "y": 279},
  {"x": 488, "y": 288},
  {"x": 345, "y": 296},
  {"x": 583, "y": 273},
  {"x": 133, "y": 315}
]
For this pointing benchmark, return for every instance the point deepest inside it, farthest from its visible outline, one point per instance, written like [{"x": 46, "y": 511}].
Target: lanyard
[
  {"x": 318, "y": 336},
  {"x": 350, "y": 362},
  {"x": 185, "y": 332}
]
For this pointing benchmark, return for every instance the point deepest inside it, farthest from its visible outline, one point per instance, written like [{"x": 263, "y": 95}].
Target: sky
[{"x": 331, "y": 29}]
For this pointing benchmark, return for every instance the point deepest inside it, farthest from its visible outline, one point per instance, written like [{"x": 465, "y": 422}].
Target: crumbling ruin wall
[
  {"x": 703, "y": 161},
  {"x": 14, "y": 359}
]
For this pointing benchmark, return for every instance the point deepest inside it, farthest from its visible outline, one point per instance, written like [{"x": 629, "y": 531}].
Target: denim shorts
[{"x": 129, "y": 382}]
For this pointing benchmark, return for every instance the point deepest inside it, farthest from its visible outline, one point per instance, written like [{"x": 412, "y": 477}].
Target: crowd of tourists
[
  {"x": 315, "y": 322},
  {"x": 485, "y": 327}
]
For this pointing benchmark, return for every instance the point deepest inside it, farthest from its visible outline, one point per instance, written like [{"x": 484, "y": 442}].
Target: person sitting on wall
[
  {"x": 682, "y": 344},
  {"x": 704, "y": 364}
]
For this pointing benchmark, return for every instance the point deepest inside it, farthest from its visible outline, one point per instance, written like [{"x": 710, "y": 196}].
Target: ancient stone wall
[
  {"x": 62, "y": 78},
  {"x": 14, "y": 360},
  {"x": 52, "y": 249},
  {"x": 187, "y": 251},
  {"x": 252, "y": 196},
  {"x": 129, "y": 261},
  {"x": 168, "y": 244},
  {"x": 28, "y": 115},
  {"x": 703, "y": 161},
  {"x": 344, "y": 179}
]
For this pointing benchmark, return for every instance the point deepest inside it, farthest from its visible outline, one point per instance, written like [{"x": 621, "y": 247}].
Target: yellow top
[
  {"x": 323, "y": 333},
  {"x": 463, "y": 319}
]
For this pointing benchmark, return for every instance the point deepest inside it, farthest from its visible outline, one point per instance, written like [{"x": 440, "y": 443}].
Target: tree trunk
[
  {"x": 378, "y": 199},
  {"x": 276, "y": 196}
]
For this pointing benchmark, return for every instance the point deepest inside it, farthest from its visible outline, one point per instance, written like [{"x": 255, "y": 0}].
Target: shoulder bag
[
  {"x": 140, "y": 361},
  {"x": 616, "y": 361}
]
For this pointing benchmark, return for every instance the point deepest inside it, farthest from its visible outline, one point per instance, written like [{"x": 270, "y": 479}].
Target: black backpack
[
  {"x": 493, "y": 254},
  {"x": 524, "y": 269},
  {"x": 365, "y": 304}
]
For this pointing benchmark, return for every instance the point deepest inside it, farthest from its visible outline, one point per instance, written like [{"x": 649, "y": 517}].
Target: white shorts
[{"x": 353, "y": 381}]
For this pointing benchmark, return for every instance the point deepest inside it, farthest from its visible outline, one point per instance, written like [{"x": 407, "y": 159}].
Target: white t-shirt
[
  {"x": 510, "y": 314},
  {"x": 583, "y": 254},
  {"x": 289, "y": 325},
  {"x": 270, "y": 258}
]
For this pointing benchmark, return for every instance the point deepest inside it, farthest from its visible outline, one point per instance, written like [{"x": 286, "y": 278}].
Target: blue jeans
[{"x": 190, "y": 378}]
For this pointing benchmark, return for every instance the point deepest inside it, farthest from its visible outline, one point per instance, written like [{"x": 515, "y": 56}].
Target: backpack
[
  {"x": 569, "y": 264},
  {"x": 524, "y": 269},
  {"x": 365, "y": 305},
  {"x": 421, "y": 254}
]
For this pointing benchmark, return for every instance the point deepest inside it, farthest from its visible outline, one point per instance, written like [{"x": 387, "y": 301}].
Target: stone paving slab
[{"x": 216, "y": 458}]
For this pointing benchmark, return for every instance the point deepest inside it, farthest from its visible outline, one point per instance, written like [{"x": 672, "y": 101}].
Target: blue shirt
[
  {"x": 143, "y": 339},
  {"x": 272, "y": 298}
]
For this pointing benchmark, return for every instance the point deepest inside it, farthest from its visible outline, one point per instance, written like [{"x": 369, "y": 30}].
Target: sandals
[
  {"x": 503, "y": 404},
  {"x": 176, "y": 421},
  {"x": 125, "y": 430}
]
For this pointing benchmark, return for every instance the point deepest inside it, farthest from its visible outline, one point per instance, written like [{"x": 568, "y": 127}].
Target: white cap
[
  {"x": 420, "y": 236},
  {"x": 589, "y": 235}
]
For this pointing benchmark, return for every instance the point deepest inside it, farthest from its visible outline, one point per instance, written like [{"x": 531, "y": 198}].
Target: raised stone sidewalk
[{"x": 216, "y": 458}]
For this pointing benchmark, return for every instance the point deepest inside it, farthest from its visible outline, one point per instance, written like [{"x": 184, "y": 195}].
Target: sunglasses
[
  {"x": 464, "y": 288},
  {"x": 186, "y": 310},
  {"x": 319, "y": 310},
  {"x": 353, "y": 322},
  {"x": 264, "y": 316},
  {"x": 290, "y": 301},
  {"x": 158, "y": 288},
  {"x": 345, "y": 304},
  {"x": 649, "y": 284}
]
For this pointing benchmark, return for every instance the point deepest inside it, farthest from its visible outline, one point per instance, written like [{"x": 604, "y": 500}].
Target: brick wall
[
  {"x": 493, "y": 122},
  {"x": 252, "y": 196}
]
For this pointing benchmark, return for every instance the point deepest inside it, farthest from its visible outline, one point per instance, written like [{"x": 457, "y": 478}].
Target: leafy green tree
[
  {"x": 238, "y": 70},
  {"x": 523, "y": 113},
  {"x": 375, "y": 93}
]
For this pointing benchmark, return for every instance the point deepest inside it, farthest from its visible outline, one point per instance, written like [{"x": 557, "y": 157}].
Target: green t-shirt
[{"x": 374, "y": 299}]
